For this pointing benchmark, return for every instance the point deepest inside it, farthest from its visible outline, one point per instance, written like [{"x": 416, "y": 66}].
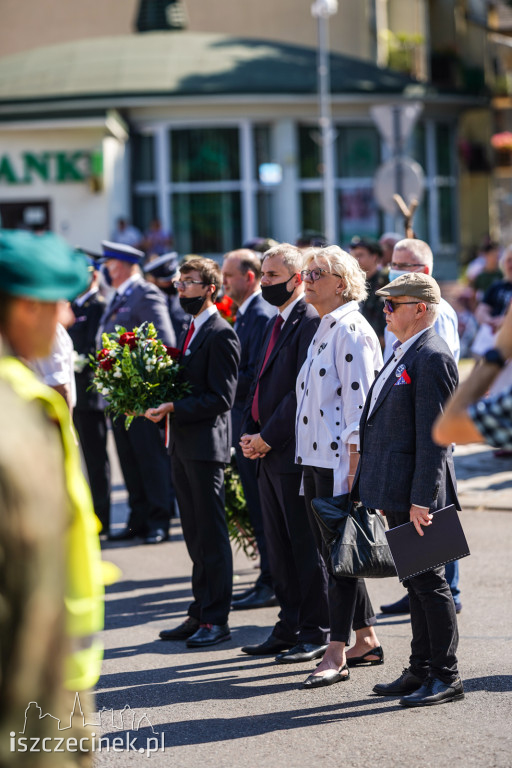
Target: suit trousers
[
  {"x": 199, "y": 489},
  {"x": 349, "y": 602},
  {"x": 91, "y": 426},
  {"x": 298, "y": 571},
  {"x": 145, "y": 465},
  {"x": 435, "y": 635}
]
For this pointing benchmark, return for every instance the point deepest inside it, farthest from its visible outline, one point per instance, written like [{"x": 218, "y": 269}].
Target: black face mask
[
  {"x": 169, "y": 289},
  {"x": 192, "y": 305},
  {"x": 277, "y": 294}
]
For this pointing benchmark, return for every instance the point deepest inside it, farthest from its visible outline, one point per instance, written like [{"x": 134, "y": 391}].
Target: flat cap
[
  {"x": 42, "y": 267},
  {"x": 415, "y": 284},
  {"x": 121, "y": 252}
]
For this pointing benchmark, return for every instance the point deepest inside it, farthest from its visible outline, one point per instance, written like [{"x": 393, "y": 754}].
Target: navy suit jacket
[
  {"x": 250, "y": 329},
  {"x": 276, "y": 398},
  {"x": 141, "y": 302},
  {"x": 201, "y": 425},
  {"x": 400, "y": 465},
  {"x": 83, "y": 335}
]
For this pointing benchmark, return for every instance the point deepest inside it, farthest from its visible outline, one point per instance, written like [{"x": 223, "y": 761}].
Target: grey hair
[
  {"x": 418, "y": 248},
  {"x": 292, "y": 257},
  {"x": 432, "y": 310},
  {"x": 345, "y": 265}
]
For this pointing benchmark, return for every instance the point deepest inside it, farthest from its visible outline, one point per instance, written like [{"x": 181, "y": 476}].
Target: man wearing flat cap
[
  {"x": 141, "y": 449},
  {"x": 403, "y": 473}
]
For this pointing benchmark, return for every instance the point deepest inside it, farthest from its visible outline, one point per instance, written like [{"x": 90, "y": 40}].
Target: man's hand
[
  {"x": 419, "y": 517},
  {"x": 157, "y": 414},
  {"x": 253, "y": 446}
]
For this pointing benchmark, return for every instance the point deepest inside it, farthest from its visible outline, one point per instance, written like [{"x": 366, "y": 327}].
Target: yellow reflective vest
[{"x": 84, "y": 588}]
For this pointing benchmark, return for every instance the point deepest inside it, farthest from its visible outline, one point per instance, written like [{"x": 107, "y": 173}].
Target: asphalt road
[{"x": 221, "y": 708}]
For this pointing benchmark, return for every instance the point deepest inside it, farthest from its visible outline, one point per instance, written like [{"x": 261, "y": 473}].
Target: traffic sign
[{"x": 402, "y": 176}]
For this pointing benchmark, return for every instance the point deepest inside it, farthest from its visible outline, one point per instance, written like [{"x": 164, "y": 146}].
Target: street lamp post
[{"x": 321, "y": 10}]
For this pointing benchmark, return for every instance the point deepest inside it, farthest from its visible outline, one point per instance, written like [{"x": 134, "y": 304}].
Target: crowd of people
[{"x": 337, "y": 368}]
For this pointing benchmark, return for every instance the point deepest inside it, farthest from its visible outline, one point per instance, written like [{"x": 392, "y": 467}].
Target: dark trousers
[
  {"x": 91, "y": 426},
  {"x": 298, "y": 572},
  {"x": 145, "y": 465},
  {"x": 199, "y": 489},
  {"x": 249, "y": 478},
  {"x": 435, "y": 635},
  {"x": 349, "y": 602}
]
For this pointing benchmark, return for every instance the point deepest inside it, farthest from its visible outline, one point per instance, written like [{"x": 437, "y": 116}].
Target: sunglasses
[
  {"x": 315, "y": 274},
  {"x": 390, "y": 305}
]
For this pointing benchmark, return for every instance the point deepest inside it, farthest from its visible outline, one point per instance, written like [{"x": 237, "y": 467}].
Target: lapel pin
[{"x": 399, "y": 371}]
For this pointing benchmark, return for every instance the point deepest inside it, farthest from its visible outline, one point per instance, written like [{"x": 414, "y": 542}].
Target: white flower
[
  {"x": 105, "y": 391},
  {"x": 117, "y": 373}
]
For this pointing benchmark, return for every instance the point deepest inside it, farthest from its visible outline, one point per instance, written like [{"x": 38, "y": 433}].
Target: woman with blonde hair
[{"x": 332, "y": 386}]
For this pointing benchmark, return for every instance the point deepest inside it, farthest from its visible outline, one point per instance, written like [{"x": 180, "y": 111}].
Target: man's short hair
[
  {"x": 292, "y": 256},
  {"x": 419, "y": 248},
  {"x": 207, "y": 268},
  {"x": 372, "y": 246},
  {"x": 247, "y": 260}
]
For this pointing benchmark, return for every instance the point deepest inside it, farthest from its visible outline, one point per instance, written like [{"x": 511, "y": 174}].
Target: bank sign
[{"x": 55, "y": 167}]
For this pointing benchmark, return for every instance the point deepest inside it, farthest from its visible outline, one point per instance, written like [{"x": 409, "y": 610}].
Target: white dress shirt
[
  {"x": 332, "y": 386},
  {"x": 199, "y": 321}
]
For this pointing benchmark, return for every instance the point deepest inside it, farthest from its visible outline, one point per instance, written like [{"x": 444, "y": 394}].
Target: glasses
[
  {"x": 396, "y": 265},
  {"x": 390, "y": 305},
  {"x": 315, "y": 274},
  {"x": 183, "y": 284}
]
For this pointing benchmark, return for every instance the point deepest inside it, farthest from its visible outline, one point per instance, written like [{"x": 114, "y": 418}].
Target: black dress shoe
[
  {"x": 406, "y": 683},
  {"x": 301, "y": 652},
  {"x": 260, "y": 597},
  {"x": 209, "y": 634},
  {"x": 359, "y": 661},
  {"x": 243, "y": 595},
  {"x": 329, "y": 677},
  {"x": 156, "y": 537},
  {"x": 434, "y": 691},
  {"x": 126, "y": 534},
  {"x": 401, "y": 606},
  {"x": 184, "y": 631},
  {"x": 270, "y": 647}
]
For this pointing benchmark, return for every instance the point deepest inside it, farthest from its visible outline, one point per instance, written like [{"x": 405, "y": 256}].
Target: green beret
[{"x": 41, "y": 267}]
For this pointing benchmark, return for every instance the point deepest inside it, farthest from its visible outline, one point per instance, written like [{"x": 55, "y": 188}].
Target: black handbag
[{"x": 354, "y": 537}]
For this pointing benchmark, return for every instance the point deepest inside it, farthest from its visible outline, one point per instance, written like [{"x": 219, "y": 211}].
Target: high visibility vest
[{"x": 84, "y": 579}]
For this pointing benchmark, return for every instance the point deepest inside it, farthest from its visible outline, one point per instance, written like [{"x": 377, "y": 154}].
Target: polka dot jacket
[{"x": 342, "y": 361}]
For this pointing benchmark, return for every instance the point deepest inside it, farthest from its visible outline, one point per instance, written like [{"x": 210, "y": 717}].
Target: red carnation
[
  {"x": 128, "y": 338},
  {"x": 106, "y": 363},
  {"x": 103, "y": 353},
  {"x": 173, "y": 352}
]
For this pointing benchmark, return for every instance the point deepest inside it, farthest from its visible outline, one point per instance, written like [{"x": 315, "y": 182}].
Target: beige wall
[{"x": 29, "y": 24}]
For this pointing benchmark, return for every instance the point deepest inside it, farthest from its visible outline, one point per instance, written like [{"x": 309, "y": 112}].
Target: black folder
[{"x": 442, "y": 542}]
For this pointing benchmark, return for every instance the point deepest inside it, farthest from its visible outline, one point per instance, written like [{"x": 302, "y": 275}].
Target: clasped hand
[
  {"x": 156, "y": 414},
  {"x": 253, "y": 446}
]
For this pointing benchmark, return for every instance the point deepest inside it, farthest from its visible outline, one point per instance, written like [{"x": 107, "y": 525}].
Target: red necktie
[
  {"x": 188, "y": 336},
  {"x": 276, "y": 330}
]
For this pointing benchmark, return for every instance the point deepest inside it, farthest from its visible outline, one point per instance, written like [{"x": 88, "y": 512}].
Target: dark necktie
[
  {"x": 276, "y": 330},
  {"x": 189, "y": 336}
]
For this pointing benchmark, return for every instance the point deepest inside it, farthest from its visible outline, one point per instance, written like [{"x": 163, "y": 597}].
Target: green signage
[{"x": 51, "y": 167}]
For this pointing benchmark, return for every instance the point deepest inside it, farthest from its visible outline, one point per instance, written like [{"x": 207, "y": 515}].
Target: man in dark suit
[
  {"x": 241, "y": 273},
  {"x": 298, "y": 573},
  {"x": 141, "y": 449},
  {"x": 162, "y": 272},
  {"x": 88, "y": 414},
  {"x": 402, "y": 472},
  {"x": 200, "y": 445}
]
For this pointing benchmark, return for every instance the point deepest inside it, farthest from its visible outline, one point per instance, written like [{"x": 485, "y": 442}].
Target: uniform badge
[{"x": 399, "y": 371}]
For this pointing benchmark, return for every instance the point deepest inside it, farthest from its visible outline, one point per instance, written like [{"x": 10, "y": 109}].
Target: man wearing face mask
[
  {"x": 141, "y": 449},
  {"x": 200, "y": 446},
  {"x": 299, "y": 575},
  {"x": 162, "y": 272}
]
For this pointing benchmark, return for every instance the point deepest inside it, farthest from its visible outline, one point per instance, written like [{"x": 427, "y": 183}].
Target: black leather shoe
[
  {"x": 184, "y": 631},
  {"x": 209, "y": 634},
  {"x": 434, "y": 691},
  {"x": 243, "y": 595},
  {"x": 260, "y": 597},
  {"x": 406, "y": 683},
  {"x": 156, "y": 537},
  {"x": 126, "y": 534},
  {"x": 329, "y": 677},
  {"x": 401, "y": 606},
  {"x": 359, "y": 661},
  {"x": 301, "y": 652},
  {"x": 458, "y": 607},
  {"x": 270, "y": 647}
]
